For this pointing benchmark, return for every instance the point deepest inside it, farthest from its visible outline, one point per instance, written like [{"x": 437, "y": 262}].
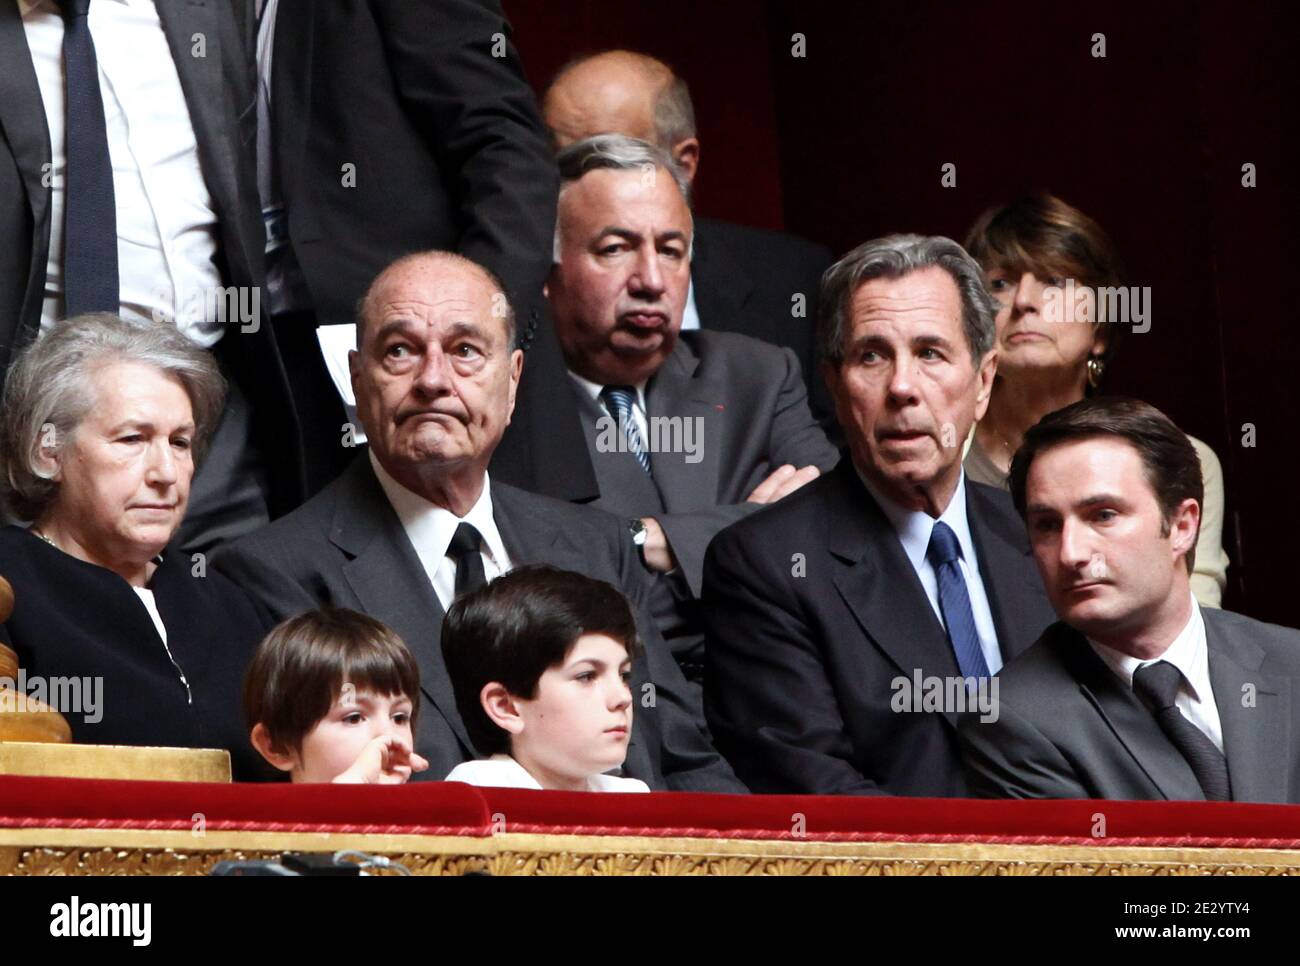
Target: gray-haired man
[
  {"x": 687, "y": 431},
  {"x": 848, "y": 626}
]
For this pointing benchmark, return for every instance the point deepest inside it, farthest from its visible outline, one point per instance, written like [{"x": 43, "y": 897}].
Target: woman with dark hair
[
  {"x": 1045, "y": 263},
  {"x": 103, "y": 421}
]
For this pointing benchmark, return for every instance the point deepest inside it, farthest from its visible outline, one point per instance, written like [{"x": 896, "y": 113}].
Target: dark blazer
[
  {"x": 754, "y": 417},
  {"x": 812, "y": 610},
  {"x": 745, "y": 280},
  {"x": 219, "y": 92},
  {"x": 448, "y": 152},
  {"x": 1069, "y": 727},
  {"x": 346, "y": 547},
  {"x": 75, "y": 619}
]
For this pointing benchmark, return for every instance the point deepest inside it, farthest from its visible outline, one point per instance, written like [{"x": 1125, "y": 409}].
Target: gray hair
[
  {"x": 893, "y": 257},
  {"x": 674, "y": 114},
  {"x": 616, "y": 152},
  {"x": 46, "y": 394}
]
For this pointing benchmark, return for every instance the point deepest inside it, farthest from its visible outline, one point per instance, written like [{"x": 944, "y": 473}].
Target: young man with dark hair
[
  {"x": 540, "y": 660},
  {"x": 1137, "y": 692}
]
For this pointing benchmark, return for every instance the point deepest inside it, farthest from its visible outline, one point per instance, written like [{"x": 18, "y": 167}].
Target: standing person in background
[
  {"x": 390, "y": 127},
  {"x": 128, "y": 186}
]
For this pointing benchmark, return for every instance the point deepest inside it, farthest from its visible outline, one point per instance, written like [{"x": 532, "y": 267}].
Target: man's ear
[
  {"x": 1185, "y": 527},
  {"x": 500, "y": 706},
  {"x": 354, "y": 369},
  {"x": 516, "y": 373},
  {"x": 261, "y": 739},
  {"x": 987, "y": 370},
  {"x": 686, "y": 153}
]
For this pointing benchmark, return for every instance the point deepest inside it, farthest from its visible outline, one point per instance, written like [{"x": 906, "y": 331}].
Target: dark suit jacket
[
  {"x": 812, "y": 610},
  {"x": 74, "y": 619},
  {"x": 1068, "y": 727},
  {"x": 754, "y": 417},
  {"x": 219, "y": 92},
  {"x": 448, "y": 153},
  {"x": 346, "y": 547},
  {"x": 745, "y": 279}
]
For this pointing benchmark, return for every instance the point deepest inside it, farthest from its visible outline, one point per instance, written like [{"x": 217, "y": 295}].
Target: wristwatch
[{"x": 639, "y": 536}]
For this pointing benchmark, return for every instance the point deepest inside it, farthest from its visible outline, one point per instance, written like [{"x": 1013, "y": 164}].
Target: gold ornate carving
[{"x": 531, "y": 855}]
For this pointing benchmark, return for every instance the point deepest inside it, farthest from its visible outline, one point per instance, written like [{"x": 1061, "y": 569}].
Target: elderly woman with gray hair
[{"x": 103, "y": 420}]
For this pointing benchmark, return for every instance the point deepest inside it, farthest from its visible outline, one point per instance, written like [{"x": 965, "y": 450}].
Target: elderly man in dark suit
[
  {"x": 128, "y": 185},
  {"x": 759, "y": 283},
  {"x": 688, "y": 431},
  {"x": 417, "y": 520},
  {"x": 1138, "y": 692},
  {"x": 392, "y": 127},
  {"x": 849, "y": 624}
]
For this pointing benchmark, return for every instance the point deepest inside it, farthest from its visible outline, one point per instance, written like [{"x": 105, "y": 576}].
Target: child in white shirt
[{"x": 540, "y": 661}]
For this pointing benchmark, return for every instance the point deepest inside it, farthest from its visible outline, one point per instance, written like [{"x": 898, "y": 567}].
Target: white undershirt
[
  {"x": 146, "y": 598},
  {"x": 166, "y": 223}
]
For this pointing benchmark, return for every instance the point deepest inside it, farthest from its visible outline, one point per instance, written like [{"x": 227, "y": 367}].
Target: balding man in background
[{"x": 742, "y": 279}]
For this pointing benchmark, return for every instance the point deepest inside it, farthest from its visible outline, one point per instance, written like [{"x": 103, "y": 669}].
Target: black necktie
[
  {"x": 1157, "y": 684},
  {"x": 466, "y": 551},
  {"x": 90, "y": 280}
]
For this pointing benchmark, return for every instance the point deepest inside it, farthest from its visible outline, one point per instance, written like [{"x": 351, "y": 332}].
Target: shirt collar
[
  {"x": 914, "y": 527},
  {"x": 523, "y": 779},
  {"x": 430, "y": 526},
  {"x": 593, "y": 389},
  {"x": 1187, "y": 652}
]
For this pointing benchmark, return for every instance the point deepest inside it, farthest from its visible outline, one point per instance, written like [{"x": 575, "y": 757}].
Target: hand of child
[{"x": 385, "y": 760}]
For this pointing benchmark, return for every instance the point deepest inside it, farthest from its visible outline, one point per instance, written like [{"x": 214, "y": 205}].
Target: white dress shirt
[
  {"x": 914, "y": 528},
  {"x": 502, "y": 771},
  {"x": 690, "y": 315},
  {"x": 1191, "y": 656},
  {"x": 430, "y": 529},
  {"x": 593, "y": 390},
  {"x": 166, "y": 223}
]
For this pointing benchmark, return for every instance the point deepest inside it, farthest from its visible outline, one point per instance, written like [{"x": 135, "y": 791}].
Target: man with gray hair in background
[
  {"x": 687, "y": 431},
  {"x": 845, "y": 624},
  {"x": 743, "y": 279}
]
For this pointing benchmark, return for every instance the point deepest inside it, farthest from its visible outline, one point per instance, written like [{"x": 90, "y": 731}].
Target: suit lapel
[
  {"x": 679, "y": 392},
  {"x": 211, "y": 108},
  {"x": 1005, "y": 561},
  {"x": 1128, "y": 719},
  {"x": 878, "y": 584},
  {"x": 390, "y": 582},
  {"x": 22, "y": 120},
  {"x": 722, "y": 286},
  {"x": 1254, "y": 713},
  {"x": 291, "y": 66}
]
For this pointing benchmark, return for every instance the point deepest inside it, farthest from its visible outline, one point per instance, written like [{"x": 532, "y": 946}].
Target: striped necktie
[{"x": 619, "y": 400}]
